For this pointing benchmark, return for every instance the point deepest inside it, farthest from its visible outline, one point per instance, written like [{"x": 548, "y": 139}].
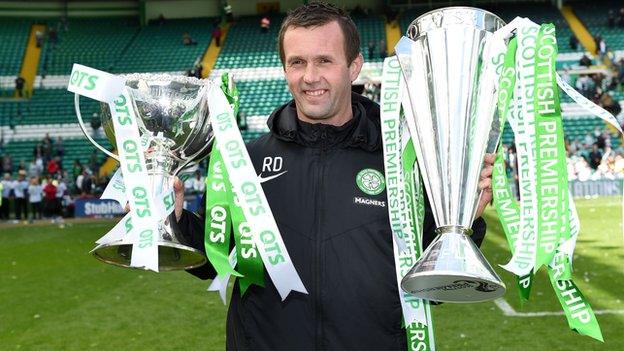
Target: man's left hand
[{"x": 485, "y": 183}]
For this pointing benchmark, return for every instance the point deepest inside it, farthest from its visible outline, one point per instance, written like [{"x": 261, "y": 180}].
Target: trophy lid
[{"x": 456, "y": 15}]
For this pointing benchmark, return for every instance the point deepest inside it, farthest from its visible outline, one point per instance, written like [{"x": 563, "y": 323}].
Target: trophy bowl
[{"x": 176, "y": 133}]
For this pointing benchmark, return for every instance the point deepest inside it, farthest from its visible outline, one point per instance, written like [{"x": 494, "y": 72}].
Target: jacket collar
[{"x": 362, "y": 131}]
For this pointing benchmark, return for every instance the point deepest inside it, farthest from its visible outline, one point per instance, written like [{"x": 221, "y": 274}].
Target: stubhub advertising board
[{"x": 98, "y": 208}]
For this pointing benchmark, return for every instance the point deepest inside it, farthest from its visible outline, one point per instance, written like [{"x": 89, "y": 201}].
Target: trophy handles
[{"x": 84, "y": 129}]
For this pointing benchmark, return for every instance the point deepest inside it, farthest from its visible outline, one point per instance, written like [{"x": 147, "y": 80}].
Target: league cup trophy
[
  {"x": 176, "y": 132},
  {"x": 453, "y": 110}
]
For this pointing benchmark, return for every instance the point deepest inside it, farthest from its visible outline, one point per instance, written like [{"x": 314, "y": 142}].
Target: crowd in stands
[
  {"x": 591, "y": 157},
  {"x": 43, "y": 188}
]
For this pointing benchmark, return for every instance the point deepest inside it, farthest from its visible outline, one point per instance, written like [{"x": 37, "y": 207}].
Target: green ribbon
[
  {"x": 554, "y": 205},
  {"x": 505, "y": 203},
  {"x": 249, "y": 263},
  {"x": 218, "y": 222},
  {"x": 231, "y": 92},
  {"x": 550, "y": 157}
]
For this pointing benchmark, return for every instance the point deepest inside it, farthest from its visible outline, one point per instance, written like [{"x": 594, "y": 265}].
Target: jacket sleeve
[{"x": 191, "y": 225}]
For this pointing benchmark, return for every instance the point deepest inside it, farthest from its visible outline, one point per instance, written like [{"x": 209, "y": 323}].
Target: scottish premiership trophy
[
  {"x": 176, "y": 132},
  {"x": 453, "y": 110}
]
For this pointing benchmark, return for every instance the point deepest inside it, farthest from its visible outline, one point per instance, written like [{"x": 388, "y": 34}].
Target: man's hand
[
  {"x": 485, "y": 183},
  {"x": 178, "y": 189}
]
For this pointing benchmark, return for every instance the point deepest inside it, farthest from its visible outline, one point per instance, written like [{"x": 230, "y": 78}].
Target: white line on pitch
[{"x": 509, "y": 311}]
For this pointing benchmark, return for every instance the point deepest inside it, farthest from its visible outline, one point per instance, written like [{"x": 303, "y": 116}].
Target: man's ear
[{"x": 356, "y": 67}]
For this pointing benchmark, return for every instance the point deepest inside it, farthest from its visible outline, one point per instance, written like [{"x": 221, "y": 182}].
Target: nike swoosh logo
[{"x": 266, "y": 179}]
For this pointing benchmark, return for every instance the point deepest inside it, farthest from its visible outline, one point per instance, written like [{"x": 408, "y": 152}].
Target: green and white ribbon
[
  {"x": 402, "y": 192},
  {"x": 247, "y": 255},
  {"x": 218, "y": 219},
  {"x": 525, "y": 253},
  {"x": 254, "y": 204},
  {"x": 111, "y": 89},
  {"x": 552, "y": 229}
]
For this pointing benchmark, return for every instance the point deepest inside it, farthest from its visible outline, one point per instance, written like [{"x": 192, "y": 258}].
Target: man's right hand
[{"x": 178, "y": 189}]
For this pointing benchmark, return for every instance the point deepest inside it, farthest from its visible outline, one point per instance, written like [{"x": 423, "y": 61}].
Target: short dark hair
[{"x": 317, "y": 14}]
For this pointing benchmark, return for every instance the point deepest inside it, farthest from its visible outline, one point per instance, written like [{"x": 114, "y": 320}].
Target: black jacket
[{"x": 340, "y": 246}]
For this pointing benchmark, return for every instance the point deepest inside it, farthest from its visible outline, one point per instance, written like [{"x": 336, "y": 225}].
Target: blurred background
[{"x": 55, "y": 296}]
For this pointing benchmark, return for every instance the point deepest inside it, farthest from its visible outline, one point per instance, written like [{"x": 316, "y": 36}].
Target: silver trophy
[
  {"x": 453, "y": 108},
  {"x": 176, "y": 133}
]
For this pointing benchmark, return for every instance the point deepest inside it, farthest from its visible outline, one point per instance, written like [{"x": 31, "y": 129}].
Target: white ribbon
[
  {"x": 402, "y": 232},
  {"x": 116, "y": 189},
  {"x": 255, "y": 206},
  {"x": 220, "y": 282},
  {"x": 111, "y": 89},
  {"x": 525, "y": 252}
]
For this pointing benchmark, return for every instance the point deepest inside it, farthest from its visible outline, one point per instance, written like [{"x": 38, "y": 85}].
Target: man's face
[{"x": 318, "y": 74}]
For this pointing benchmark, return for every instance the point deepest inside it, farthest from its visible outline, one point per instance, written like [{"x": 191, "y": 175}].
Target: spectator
[
  {"x": 96, "y": 124},
  {"x": 187, "y": 40},
  {"x": 60, "y": 150},
  {"x": 595, "y": 156},
  {"x": 33, "y": 170},
  {"x": 7, "y": 196},
  {"x": 87, "y": 185},
  {"x": 47, "y": 147},
  {"x": 161, "y": 19},
  {"x": 35, "y": 195},
  {"x": 621, "y": 17},
  {"x": 195, "y": 185},
  {"x": 94, "y": 165},
  {"x": 216, "y": 35},
  {"x": 7, "y": 163},
  {"x": 227, "y": 10},
  {"x": 79, "y": 181},
  {"x": 61, "y": 190},
  {"x": 371, "y": 49},
  {"x": 77, "y": 169},
  {"x": 52, "y": 36},
  {"x": 38, "y": 38},
  {"x": 382, "y": 49},
  {"x": 265, "y": 24},
  {"x": 20, "y": 187},
  {"x": 611, "y": 18},
  {"x": 49, "y": 197},
  {"x": 19, "y": 86},
  {"x": 573, "y": 42},
  {"x": 601, "y": 47},
  {"x": 585, "y": 61},
  {"x": 52, "y": 167}
]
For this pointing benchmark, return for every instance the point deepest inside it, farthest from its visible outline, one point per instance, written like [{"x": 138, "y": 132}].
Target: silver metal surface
[
  {"x": 175, "y": 127},
  {"x": 452, "y": 269},
  {"x": 453, "y": 108}
]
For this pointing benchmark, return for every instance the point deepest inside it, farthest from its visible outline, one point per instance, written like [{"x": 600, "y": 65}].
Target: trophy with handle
[
  {"x": 175, "y": 129},
  {"x": 453, "y": 106}
]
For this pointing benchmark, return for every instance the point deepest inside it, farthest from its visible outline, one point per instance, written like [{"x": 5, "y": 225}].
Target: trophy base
[
  {"x": 171, "y": 256},
  {"x": 452, "y": 287},
  {"x": 452, "y": 269}
]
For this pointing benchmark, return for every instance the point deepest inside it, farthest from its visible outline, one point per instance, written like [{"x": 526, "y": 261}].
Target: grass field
[{"x": 55, "y": 296}]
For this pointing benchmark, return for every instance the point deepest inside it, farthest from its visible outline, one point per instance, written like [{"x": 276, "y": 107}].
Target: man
[
  {"x": 7, "y": 195},
  {"x": 20, "y": 187},
  {"x": 19, "y": 86},
  {"x": 341, "y": 249}
]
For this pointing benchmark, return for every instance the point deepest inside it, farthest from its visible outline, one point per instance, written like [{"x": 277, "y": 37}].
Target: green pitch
[{"x": 55, "y": 296}]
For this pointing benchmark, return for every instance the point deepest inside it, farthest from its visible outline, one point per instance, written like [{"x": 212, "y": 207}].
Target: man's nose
[{"x": 312, "y": 74}]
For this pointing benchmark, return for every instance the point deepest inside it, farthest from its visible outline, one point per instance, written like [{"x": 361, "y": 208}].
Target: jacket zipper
[{"x": 318, "y": 254}]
